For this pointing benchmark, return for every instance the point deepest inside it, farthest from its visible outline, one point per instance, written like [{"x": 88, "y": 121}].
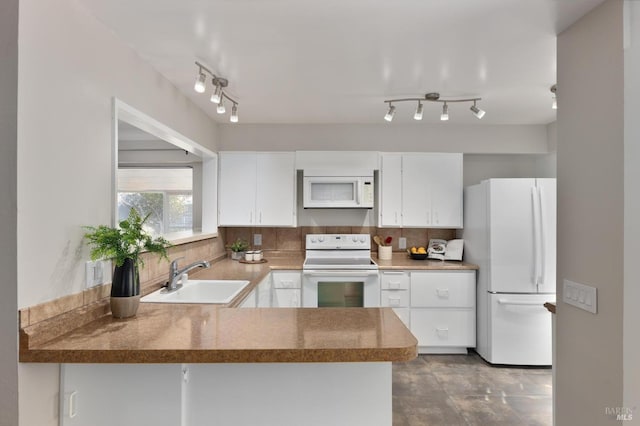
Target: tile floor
[{"x": 461, "y": 390}]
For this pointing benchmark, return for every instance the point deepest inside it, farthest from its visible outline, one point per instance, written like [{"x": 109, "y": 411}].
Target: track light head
[
  {"x": 215, "y": 96},
  {"x": 221, "y": 109},
  {"x": 234, "y": 114},
  {"x": 445, "y": 112},
  {"x": 418, "y": 114},
  {"x": 390, "y": 113},
  {"x": 200, "y": 82},
  {"x": 479, "y": 113}
]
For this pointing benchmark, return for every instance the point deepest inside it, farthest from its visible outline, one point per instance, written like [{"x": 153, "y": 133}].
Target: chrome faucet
[{"x": 175, "y": 273}]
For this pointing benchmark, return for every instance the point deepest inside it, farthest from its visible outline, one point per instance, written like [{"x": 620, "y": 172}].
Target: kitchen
[{"x": 79, "y": 82}]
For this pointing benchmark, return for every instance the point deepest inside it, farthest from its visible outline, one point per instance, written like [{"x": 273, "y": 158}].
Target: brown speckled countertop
[
  {"x": 174, "y": 333},
  {"x": 401, "y": 260},
  {"x": 201, "y": 333}
]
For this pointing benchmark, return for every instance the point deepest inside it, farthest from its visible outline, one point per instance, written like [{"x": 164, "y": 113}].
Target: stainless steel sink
[{"x": 199, "y": 291}]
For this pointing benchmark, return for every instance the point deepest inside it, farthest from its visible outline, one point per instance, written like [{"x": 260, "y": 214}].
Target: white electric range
[{"x": 338, "y": 272}]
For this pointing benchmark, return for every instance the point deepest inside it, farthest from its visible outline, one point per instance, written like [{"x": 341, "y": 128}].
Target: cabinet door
[
  {"x": 286, "y": 298},
  {"x": 276, "y": 189},
  {"x": 390, "y": 190},
  {"x": 443, "y": 172},
  {"x": 237, "y": 189},
  {"x": 416, "y": 191},
  {"x": 263, "y": 295},
  {"x": 444, "y": 327}
]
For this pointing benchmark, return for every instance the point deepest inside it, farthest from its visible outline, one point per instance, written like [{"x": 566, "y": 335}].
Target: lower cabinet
[
  {"x": 438, "y": 306},
  {"x": 286, "y": 289},
  {"x": 279, "y": 289},
  {"x": 443, "y": 310}
]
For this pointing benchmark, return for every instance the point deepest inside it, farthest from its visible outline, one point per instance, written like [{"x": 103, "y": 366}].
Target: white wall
[
  {"x": 478, "y": 167},
  {"x": 70, "y": 67},
  {"x": 64, "y": 152},
  {"x": 385, "y": 137},
  {"x": 8, "y": 212},
  {"x": 631, "y": 337},
  {"x": 590, "y": 215}
]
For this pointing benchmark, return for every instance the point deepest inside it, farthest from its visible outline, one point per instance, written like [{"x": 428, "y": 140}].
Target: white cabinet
[
  {"x": 394, "y": 293},
  {"x": 443, "y": 314},
  {"x": 286, "y": 289},
  {"x": 421, "y": 190},
  {"x": 263, "y": 293},
  {"x": 390, "y": 205},
  {"x": 257, "y": 189}
]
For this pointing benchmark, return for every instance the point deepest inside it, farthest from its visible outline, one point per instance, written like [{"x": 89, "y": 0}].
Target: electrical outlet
[
  {"x": 257, "y": 239},
  {"x": 580, "y": 295},
  {"x": 98, "y": 272},
  {"x": 402, "y": 243}
]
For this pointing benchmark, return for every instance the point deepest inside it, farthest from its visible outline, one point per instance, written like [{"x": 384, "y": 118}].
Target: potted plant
[
  {"x": 123, "y": 245},
  {"x": 238, "y": 248}
]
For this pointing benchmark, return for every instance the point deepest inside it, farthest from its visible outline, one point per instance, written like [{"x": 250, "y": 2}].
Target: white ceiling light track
[
  {"x": 218, "y": 95},
  {"x": 433, "y": 97}
]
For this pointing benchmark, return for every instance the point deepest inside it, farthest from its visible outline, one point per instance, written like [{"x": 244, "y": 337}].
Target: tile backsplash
[{"x": 293, "y": 239}]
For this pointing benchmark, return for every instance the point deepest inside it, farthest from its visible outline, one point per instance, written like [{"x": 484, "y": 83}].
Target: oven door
[{"x": 343, "y": 288}]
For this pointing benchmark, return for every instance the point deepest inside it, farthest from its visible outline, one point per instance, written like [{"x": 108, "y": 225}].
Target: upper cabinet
[
  {"x": 257, "y": 189},
  {"x": 421, "y": 190}
]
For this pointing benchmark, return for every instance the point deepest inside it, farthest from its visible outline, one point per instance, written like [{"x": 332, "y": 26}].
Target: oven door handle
[{"x": 339, "y": 273}]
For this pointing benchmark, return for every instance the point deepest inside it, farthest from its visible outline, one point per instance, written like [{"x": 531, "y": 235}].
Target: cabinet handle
[
  {"x": 396, "y": 220},
  {"x": 443, "y": 293},
  {"x": 260, "y": 218},
  {"x": 394, "y": 301},
  {"x": 442, "y": 331},
  {"x": 250, "y": 217},
  {"x": 73, "y": 404}
]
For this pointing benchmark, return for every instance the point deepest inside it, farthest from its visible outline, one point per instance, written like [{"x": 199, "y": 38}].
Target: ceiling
[{"x": 336, "y": 61}]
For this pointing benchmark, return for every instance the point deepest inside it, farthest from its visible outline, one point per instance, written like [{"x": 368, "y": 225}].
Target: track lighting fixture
[
  {"x": 433, "y": 97},
  {"x": 218, "y": 95},
  {"x": 554, "y": 101},
  {"x": 390, "y": 113},
  {"x": 418, "y": 114},
  {"x": 479, "y": 113},
  {"x": 445, "y": 112}
]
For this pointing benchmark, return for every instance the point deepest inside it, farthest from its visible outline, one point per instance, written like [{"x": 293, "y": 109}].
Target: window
[{"x": 165, "y": 194}]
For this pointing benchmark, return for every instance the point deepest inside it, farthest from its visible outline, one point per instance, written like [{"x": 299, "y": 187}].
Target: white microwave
[{"x": 338, "y": 189}]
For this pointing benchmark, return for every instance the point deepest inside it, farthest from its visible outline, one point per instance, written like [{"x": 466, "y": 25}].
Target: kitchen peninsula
[{"x": 187, "y": 364}]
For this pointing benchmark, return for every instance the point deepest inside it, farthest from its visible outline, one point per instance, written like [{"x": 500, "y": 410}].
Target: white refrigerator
[{"x": 510, "y": 232}]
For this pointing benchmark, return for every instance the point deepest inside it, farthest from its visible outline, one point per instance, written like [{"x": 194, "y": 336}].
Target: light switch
[{"x": 580, "y": 295}]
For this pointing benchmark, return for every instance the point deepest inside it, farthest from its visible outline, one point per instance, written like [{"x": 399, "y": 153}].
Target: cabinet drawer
[
  {"x": 287, "y": 279},
  {"x": 394, "y": 298},
  {"x": 443, "y": 289},
  {"x": 394, "y": 280},
  {"x": 444, "y": 327}
]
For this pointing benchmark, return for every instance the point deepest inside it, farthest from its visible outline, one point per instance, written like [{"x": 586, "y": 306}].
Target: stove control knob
[
  {"x": 313, "y": 239},
  {"x": 354, "y": 238},
  {"x": 321, "y": 239},
  {"x": 363, "y": 239}
]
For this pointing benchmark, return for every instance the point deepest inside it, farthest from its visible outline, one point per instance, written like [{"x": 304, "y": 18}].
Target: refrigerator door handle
[
  {"x": 536, "y": 264},
  {"x": 540, "y": 278},
  {"x": 518, "y": 302}
]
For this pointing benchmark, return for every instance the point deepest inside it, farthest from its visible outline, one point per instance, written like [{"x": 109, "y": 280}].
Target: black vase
[{"x": 125, "y": 290}]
